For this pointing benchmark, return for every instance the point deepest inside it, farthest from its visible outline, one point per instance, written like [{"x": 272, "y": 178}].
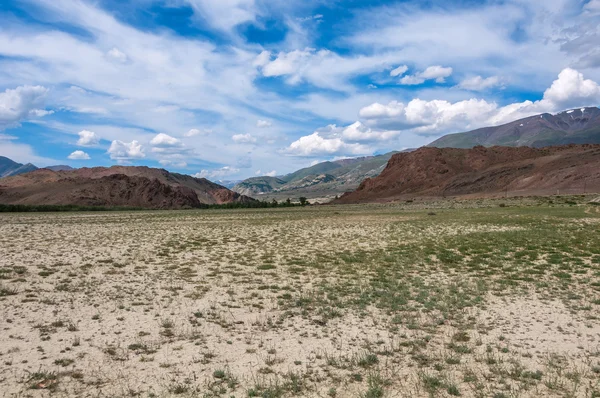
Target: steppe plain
[{"x": 479, "y": 298}]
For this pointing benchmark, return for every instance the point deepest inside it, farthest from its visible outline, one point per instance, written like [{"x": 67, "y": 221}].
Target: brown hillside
[
  {"x": 114, "y": 186},
  {"x": 480, "y": 171}
]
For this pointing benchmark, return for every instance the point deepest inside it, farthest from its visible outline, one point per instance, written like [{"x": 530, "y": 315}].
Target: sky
[{"x": 230, "y": 89}]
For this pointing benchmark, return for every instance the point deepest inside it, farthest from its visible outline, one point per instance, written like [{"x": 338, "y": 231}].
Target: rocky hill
[
  {"x": 482, "y": 172},
  {"x": 576, "y": 126},
  {"x": 323, "y": 180},
  {"x": 114, "y": 186}
]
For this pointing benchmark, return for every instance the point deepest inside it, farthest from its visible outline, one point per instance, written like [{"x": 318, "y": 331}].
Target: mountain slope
[
  {"x": 481, "y": 171},
  {"x": 9, "y": 167},
  {"x": 326, "y": 179},
  {"x": 114, "y": 186},
  {"x": 576, "y": 126}
]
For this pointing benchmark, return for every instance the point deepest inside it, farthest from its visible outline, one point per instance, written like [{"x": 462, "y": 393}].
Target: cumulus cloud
[
  {"x": 217, "y": 173},
  {"x": 570, "y": 89},
  {"x": 399, "y": 71},
  {"x": 478, "y": 83},
  {"x": 87, "y": 138},
  {"x": 79, "y": 155},
  {"x": 243, "y": 139},
  {"x": 316, "y": 145},
  {"x": 165, "y": 140},
  {"x": 437, "y": 73},
  {"x": 21, "y": 103},
  {"x": 263, "y": 124},
  {"x": 272, "y": 173},
  {"x": 120, "y": 150},
  {"x": 195, "y": 132}
]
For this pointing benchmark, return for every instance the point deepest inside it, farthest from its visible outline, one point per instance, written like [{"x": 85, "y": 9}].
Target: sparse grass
[{"x": 367, "y": 301}]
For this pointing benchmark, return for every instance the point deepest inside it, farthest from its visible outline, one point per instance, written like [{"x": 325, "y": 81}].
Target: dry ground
[{"x": 473, "y": 299}]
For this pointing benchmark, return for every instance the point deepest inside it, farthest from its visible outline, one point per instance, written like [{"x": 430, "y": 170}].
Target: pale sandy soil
[{"x": 351, "y": 301}]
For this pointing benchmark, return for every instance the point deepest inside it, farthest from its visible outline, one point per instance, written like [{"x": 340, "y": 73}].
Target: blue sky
[{"x": 228, "y": 89}]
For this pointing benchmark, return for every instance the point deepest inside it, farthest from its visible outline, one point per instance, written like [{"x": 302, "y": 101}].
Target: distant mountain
[
  {"x": 60, "y": 167},
  {"x": 576, "y": 126},
  {"x": 322, "y": 180},
  {"x": 483, "y": 172},
  {"x": 9, "y": 167},
  {"x": 227, "y": 183},
  {"x": 114, "y": 186}
]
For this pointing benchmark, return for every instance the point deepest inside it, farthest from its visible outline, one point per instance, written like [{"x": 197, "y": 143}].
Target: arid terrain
[
  {"x": 480, "y": 298},
  {"x": 120, "y": 186},
  {"x": 483, "y": 172}
]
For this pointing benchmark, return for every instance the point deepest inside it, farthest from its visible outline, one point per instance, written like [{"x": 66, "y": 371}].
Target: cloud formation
[
  {"x": 316, "y": 145},
  {"x": 217, "y": 173},
  {"x": 570, "y": 89},
  {"x": 21, "y": 103},
  {"x": 79, "y": 155},
  {"x": 165, "y": 141},
  {"x": 437, "y": 73},
  {"x": 120, "y": 150},
  {"x": 87, "y": 138},
  {"x": 243, "y": 139},
  {"x": 478, "y": 83}
]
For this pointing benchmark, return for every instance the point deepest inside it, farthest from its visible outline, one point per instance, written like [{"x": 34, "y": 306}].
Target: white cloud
[
  {"x": 217, "y": 173},
  {"x": 195, "y": 132},
  {"x": 117, "y": 55},
  {"x": 478, "y": 83},
  {"x": 263, "y": 124},
  {"x": 21, "y": 103},
  {"x": 120, "y": 150},
  {"x": 243, "y": 139},
  {"x": 399, "y": 71},
  {"x": 570, "y": 89},
  {"x": 262, "y": 59},
  {"x": 316, "y": 145},
  {"x": 593, "y": 7},
  {"x": 437, "y": 73},
  {"x": 79, "y": 155},
  {"x": 324, "y": 68},
  {"x": 87, "y": 138},
  {"x": 165, "y": 140},
  {"x": 174, "y": 163},
  {"x": 225, "y": 14},
  {"x": 272, "y": 173},
  {"x": 40, "y": 113}
]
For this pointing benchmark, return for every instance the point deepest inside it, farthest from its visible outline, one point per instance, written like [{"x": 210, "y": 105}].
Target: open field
[{"x": 489, "y": 298}]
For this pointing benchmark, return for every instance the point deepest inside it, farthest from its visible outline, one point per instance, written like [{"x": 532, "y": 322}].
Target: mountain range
[
  {"x": 114, "y": 186},
  {"x": 322, "y": 180},
  {"x": 9, "y": 167},
  {"x": 575, "y": 126},
  {"x": 426, "y": 171},
  {"x": 483, "y": 171}
]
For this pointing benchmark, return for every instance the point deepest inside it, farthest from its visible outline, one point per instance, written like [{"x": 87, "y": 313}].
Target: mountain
[
  {"x": 9, "y": 167},
  {"x": 322, "y": 180},
  {"x": 576, "y": 126},
  {"x": 228, "y": 183},
  {"x": 114, "y": 186},
  {"x": 60, "y": 167},
  {"x": 481, "y": 171}
]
